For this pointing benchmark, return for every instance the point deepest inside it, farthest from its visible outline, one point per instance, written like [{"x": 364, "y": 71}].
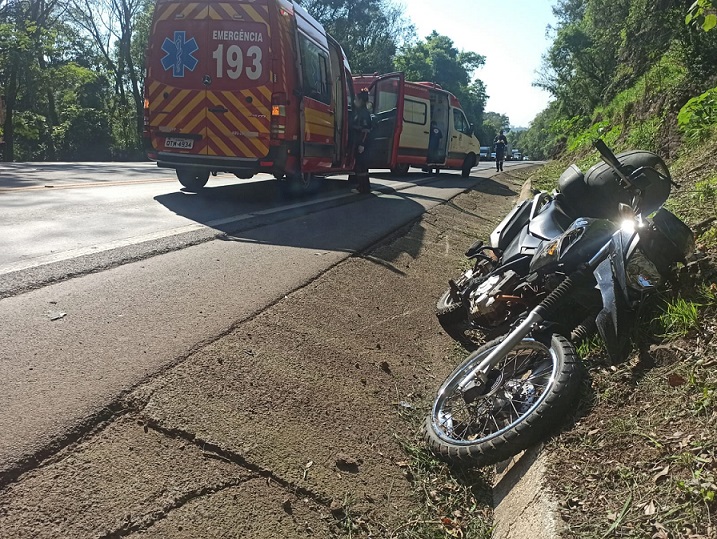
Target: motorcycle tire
[
  {"x": 528, "y": 394},
  {"x": 452, "y": 316}
]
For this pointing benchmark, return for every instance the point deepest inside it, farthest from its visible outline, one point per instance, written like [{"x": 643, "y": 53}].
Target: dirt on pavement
[{"x": 291, "y": 425}]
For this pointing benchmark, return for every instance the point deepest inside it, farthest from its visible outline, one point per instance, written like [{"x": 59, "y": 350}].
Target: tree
[
  {"x": 703, "y": 13},
  {"x": 112, "y": 25},
  {"x": 370, "y": 31},
  {"x": 30, "y": 35},
  {"x": 436, "y": 60}
]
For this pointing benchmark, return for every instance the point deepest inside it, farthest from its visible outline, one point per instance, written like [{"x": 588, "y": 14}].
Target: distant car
[
  {"x": 484, "y": 153},
  {"x": 526, "y": 158}
]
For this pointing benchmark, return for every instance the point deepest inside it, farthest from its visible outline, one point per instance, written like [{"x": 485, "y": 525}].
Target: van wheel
[
  {"x": 192, "y": 179},
  {"x": 401, "y": 169},
  {"x": 468, "y": 164}
]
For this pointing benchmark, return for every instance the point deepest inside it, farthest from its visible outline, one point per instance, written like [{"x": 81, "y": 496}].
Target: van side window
[
  {"x": 315, "y": 70},
  {"x": 414, "y": 112},
  {"x": 460, "y": 122}
]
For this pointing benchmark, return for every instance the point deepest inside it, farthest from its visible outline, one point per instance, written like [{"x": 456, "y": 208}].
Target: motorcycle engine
[{"x": 491, "y": 301}]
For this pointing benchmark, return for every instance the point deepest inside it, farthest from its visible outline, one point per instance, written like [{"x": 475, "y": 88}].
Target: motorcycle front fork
[{"x": 479, "y": 375}]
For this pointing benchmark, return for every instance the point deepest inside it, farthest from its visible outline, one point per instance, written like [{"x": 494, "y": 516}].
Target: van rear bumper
[{"x": 218, "y": 164}]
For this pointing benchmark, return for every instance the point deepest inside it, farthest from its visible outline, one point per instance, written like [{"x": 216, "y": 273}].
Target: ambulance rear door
[
  {"x": 238, "y": 79},
  {"x": 386, "y": 95},
  {"x": 175, "y": 90}
]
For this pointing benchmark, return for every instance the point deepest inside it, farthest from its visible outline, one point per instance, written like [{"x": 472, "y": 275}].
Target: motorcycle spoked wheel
[{"x": 528, "y": 393}]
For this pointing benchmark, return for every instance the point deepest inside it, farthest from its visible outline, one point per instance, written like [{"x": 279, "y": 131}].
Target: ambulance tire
[
  {"x": 468, "y": 164},
  {"x": 299, "y": 184},
  {"x": 400, "y": 170},
  {"x": 193, "y": 179}
]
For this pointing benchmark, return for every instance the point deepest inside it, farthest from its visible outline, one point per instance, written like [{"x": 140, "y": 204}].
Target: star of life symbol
[{"x": 179, "y": 53}]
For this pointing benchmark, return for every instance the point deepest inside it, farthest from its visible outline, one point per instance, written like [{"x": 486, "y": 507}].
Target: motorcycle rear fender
[{"x": 617, "y": 318}]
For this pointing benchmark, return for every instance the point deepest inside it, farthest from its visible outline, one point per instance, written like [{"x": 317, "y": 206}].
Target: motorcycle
[
  {"x": 482, "y": 297},
  {"x": 593, "y": 277}
]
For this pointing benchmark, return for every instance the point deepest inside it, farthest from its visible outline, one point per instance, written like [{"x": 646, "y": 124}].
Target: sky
[{"x": 511, "y": 36}]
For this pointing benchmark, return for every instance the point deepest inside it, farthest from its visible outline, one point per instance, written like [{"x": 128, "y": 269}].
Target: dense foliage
[
  {"x": 71, "y": 74},
  {"x": 638, "y": 72},
  {"x": 625, "y": 69}
]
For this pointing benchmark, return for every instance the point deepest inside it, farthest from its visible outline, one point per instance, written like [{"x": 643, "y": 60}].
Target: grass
[
  {"x": 681, "y": 316},
  {"x": 453, "y": 502},
  {"x": 641, "y": 462}
]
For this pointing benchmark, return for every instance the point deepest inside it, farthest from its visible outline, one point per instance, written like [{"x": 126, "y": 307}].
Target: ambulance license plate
[{"x": 181, "y": 143}]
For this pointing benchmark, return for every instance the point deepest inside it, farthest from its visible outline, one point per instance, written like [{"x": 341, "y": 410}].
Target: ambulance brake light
[{"x": 278, "y": 115}]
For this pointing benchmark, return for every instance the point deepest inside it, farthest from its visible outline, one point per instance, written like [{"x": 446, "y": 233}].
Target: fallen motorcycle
[
  {"x": 483, "y": 297},
  {"x": 592, "y": 277}
]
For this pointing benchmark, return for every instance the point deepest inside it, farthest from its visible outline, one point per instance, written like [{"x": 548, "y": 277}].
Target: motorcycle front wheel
[{"x": 526, "y": 395}]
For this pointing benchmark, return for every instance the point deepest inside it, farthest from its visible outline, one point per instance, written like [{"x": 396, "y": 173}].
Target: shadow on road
[{"x": 332, "y": 218}]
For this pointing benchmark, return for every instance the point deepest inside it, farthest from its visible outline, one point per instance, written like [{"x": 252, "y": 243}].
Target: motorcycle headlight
[{"x": 550, "y": 253}]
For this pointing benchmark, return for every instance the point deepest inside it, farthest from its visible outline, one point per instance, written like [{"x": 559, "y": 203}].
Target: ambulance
[
  {"x": 245, "y": 86},
  {"x": 403, "y": 112}
]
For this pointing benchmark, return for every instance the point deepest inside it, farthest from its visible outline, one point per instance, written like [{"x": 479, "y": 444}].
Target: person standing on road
[
  {"x": 501, "y": 143},
  {"x": 360, "y": 129}
]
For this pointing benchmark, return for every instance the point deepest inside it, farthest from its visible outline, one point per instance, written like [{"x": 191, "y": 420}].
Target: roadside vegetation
[{"x": 638, "y": 458}]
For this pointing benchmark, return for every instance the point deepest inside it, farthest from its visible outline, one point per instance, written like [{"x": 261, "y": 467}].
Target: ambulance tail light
[
  {"x": 278, "y": 115},
  {"x": 146, "y": 115},
  {"x": 146, "y": 135}
]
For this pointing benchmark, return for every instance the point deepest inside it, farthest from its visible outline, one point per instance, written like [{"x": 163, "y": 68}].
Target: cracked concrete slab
[
  {"x": 307, "y": 395},
  {"x": 121, "y": 478},
  {"x": 255, "y": 508}
]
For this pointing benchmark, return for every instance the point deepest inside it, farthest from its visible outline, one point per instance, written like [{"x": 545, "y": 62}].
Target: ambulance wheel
[
  {"x": 299, "y": 183},
  {"x": 192, "y": 179},
  {"x": 400, "y": 170},
  {"x": 468, "y": 164}
]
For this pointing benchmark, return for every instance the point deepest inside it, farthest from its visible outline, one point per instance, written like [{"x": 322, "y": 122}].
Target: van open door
[{"x": 386, "y": 95}]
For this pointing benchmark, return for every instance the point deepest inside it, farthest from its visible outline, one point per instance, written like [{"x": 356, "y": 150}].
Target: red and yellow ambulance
[{"x": 245, "y": 86}]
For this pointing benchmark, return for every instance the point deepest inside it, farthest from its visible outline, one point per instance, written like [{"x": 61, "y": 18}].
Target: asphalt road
[{"x": 110, "y": 273}]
